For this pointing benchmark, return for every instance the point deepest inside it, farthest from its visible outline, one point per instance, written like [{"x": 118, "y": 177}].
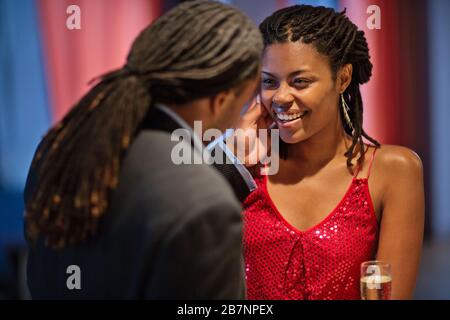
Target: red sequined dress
[{"x": 321, "y": 263}]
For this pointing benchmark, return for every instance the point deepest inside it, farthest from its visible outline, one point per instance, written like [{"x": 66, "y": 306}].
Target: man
[{"x": 108, "y": 212}]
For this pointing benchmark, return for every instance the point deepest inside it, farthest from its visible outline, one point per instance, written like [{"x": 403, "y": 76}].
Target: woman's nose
[{"x": 282, "y": 97}]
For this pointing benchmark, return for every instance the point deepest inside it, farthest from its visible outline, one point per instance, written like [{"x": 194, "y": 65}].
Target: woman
[{"x": 335, "y": 201}]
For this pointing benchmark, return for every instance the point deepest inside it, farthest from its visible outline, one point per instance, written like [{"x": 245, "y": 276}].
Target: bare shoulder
[
  {"x": 398, "y": 159},
  {"x": 398, "y": 174}
]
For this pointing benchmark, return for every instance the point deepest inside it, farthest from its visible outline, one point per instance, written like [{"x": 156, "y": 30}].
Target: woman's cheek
[{"x": 266, "y": 97}]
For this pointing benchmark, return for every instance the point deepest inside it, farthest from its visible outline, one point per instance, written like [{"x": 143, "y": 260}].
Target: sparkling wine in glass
[{"x": 376, "y": 280}]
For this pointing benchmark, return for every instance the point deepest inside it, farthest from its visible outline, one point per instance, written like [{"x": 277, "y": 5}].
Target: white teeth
[{"x": 289, "y": 117}]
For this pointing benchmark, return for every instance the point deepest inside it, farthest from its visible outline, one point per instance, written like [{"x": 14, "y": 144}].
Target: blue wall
[
  {"x": 439, "y": 86},
  {"x": 24, "y": 115}
]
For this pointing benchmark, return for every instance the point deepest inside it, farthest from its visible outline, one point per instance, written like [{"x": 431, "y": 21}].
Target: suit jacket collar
[{"x": 160, "y": 117}]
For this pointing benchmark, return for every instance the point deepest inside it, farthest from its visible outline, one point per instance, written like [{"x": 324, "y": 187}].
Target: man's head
[{"x": 203, "y": 56}]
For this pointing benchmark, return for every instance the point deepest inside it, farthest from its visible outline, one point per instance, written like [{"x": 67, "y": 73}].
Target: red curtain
[
  {"x": 73, "y": 57},
  {"x": 395, "y": 99},
  {"x": 379, "y": 94}
]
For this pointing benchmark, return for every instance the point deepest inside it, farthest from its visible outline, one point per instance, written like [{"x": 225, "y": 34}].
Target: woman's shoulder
[
  {"x": 394, "y": 166},
  {"x": 394, "y": 157},
  {"x": 394, "y": 169}
]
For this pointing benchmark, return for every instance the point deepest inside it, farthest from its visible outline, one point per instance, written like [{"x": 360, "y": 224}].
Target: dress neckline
[{"x": 320, "y": 223}]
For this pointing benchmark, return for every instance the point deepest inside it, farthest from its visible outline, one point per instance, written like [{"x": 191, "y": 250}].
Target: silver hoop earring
[{"x": 346, "y": 110}]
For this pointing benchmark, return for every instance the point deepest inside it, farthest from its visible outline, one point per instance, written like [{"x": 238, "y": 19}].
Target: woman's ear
[{"x": 344, "y": 77}]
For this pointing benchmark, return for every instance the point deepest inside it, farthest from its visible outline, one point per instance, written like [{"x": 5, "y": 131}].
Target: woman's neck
[{"x": 321, "y": 149}]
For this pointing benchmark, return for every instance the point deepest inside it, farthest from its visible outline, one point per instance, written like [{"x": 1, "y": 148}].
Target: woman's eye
[
  {"x": 268, "y": 81},
  {"x": 301, "y": 81}
]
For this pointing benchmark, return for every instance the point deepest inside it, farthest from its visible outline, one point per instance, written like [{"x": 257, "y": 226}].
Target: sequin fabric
[{"x": 321, "y": 263}]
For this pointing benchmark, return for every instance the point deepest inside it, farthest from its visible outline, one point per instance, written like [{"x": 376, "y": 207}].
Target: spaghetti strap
[{"x": 371, "y": 161}]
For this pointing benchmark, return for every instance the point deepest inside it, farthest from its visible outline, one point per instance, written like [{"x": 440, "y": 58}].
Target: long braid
[
  {"x": 195, "y": 50},
  {"x": 336, "y": 37}
]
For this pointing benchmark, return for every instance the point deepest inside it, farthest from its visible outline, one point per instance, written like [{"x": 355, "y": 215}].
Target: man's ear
[
  {"x": 344, "y": 77},
  {"x": 220, "y": 101}
]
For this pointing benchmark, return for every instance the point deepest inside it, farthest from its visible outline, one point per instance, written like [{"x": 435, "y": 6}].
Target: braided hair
[
  {"x": 336, "y": 37},
  {"x": 196, "y": 50}
]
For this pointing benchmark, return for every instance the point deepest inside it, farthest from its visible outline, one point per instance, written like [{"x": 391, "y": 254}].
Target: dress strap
[
  {"x": 358, "y": 167},
  {"x": 371, "y": 161}
]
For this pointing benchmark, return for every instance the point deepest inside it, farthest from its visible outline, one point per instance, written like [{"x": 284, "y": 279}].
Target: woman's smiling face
[{"x": 297, "y": 86}]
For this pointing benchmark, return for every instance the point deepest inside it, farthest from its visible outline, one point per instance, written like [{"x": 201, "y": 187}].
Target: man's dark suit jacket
[{"x": 170, "y": 232}]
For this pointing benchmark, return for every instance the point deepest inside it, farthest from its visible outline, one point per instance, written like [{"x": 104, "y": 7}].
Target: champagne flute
[{"x": 376, "y": 280}]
